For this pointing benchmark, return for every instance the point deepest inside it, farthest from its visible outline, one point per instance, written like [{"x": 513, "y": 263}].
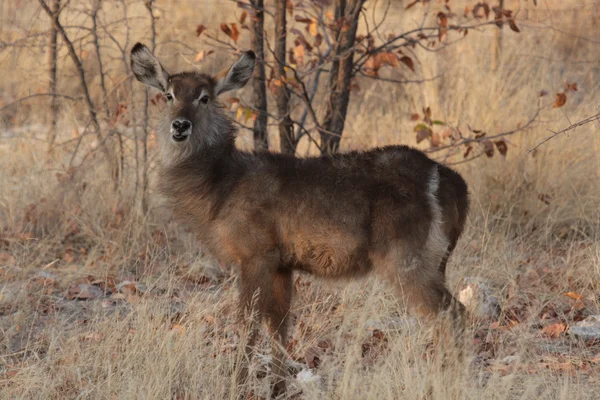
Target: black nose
[{"x": 181, "y": 125}]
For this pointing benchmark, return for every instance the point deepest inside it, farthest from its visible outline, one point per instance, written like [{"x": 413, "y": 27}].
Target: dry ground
[{"x": 100, "y": 301}]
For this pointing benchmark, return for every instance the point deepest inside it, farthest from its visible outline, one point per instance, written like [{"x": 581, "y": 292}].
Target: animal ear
[
  {"x": 147, "y": 68},
  {"x": 237, "y": 76}
]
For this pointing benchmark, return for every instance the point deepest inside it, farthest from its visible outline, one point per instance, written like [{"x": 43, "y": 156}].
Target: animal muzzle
[{"x": 180, "y": 129}]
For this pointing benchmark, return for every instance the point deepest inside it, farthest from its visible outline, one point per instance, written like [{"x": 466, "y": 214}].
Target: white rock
[
  {"x": 588, "y": 329},
  {"x": 509, "y": 360},
  {"x": 475, "y": 294},
  {"x": 307, "y": 376}
]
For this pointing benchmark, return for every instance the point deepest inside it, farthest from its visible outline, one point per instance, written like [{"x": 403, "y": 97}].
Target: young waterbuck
[{"x": 390, "y": 211}]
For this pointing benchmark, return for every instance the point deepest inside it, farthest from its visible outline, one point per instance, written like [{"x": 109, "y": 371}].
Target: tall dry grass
[{"x": 533, "y": 234}]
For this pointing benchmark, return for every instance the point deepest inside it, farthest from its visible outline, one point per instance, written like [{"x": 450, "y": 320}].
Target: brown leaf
[
  {"x": 435, "y": 139},
  {"x": 243, "y": 17},
  {"x": 555, "y": 330},
  {"x": 318, "y": 40},
  {"x": 488, "y": 148},
  {"x": 570, "y": 87},
  {"x": 299, "y": 54},
  {"x": 483, "y": 6},
  {"x": 468, "y": 151},
  {"x": 408, "y": 62},
  {"x": 388, "y": 58},
  {"x": 427, "y": 115},
  {"x": 423, "y": 133},
  {"x": 442, "y": 20},
  {"x": 574, "y": 295},
  {"x": 501, "y": 146},
  {"x": 513, "y": 26},
  {"x": 415, "y": 117},
  {"x": 543, "y": 93},
  {"x": 199, "y": 29},
  {"x": 302, "y": 19},
  {"x": 235, "y": 32},
  {"x": 226, "y": 30},
  {"x": 561, "y": 99},
  {"x": 313, "y": 28}
]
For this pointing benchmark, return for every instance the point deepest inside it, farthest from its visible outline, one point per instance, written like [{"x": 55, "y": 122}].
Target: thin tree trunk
[
  {"x": 132, "y": 110},
  {"x": 259, "y": 100},
  {"x": 347, "y": 13},
  {"x": 81, "y": 72},
  {"x": 282, "y": 94},
  {"x": 95, "y": 9},
  {"x": 145, "y": 166},
  {"x": 497, "y": 43},
  {"x": 52, "y": 69},
  {"x": 117, "y": 163}
]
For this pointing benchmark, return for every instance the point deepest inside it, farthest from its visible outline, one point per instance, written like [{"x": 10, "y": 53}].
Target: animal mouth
[{"x": 178, "y": 137}]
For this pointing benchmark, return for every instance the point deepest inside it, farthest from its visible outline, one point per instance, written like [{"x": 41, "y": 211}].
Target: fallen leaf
[
  {"x": 574, "y": 295},
  {"x": 178, "y": 329},
  {"x": 555, "y": 330}
]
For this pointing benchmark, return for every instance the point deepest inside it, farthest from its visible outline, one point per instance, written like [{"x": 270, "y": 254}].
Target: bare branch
[
  {"x": 22, "y": 99},
  {"x": 567, "y": 129},
  {"x": 481, "y": 139}
]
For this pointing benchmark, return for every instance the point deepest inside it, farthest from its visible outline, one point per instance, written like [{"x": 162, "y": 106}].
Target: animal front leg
[{"x": 277, "y": 315}]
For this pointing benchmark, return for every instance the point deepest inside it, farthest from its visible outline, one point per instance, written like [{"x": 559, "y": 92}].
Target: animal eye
[
  {"x": 169, "y": 96},
  {"x": 204, "y": 99}
]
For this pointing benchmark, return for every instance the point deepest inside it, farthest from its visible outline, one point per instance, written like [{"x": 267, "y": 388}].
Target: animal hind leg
[{"x": 429, "y": 297}]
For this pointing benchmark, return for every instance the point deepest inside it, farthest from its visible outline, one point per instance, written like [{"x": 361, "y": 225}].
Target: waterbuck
[{"x": 390, "y": 211}]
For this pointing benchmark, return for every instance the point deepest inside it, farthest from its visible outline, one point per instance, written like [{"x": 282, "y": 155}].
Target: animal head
[{"x": 193, "y": 119}]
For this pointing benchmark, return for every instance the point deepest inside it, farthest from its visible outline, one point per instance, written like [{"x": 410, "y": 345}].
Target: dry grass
[{"x": 533, "y": 233}]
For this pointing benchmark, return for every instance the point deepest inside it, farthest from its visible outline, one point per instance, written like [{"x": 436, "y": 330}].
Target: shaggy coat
[{"x": 390, "y": 211}]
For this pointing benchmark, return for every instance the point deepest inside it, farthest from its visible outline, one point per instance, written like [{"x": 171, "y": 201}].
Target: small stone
[
  {"x": 476, "y": 296},
  {"x": 509, "y": 360},
  {"x": 588, "y": 329}
]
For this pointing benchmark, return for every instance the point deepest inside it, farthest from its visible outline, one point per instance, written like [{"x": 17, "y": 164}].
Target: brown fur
[{"x": 390, "y": 211}]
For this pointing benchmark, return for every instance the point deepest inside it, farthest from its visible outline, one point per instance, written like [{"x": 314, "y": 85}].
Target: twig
[
  {"x": 62, "y": 96},
  {"x": 484, "y": 138},
  {"x": 569, "y": 128}
]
